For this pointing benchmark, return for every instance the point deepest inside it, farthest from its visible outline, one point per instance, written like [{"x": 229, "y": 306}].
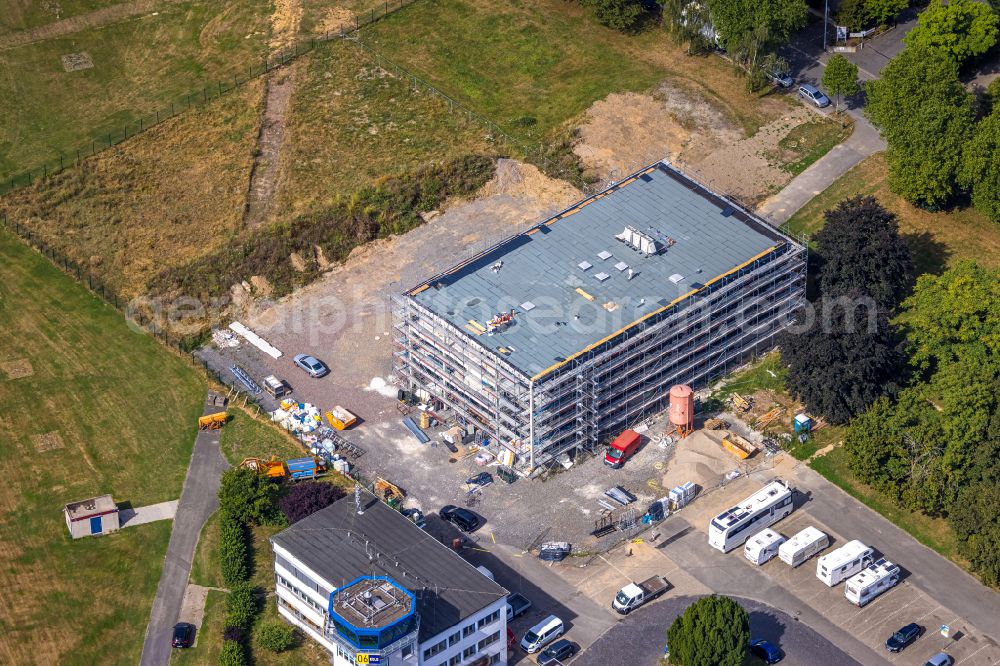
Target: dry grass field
[
  {"x": 157, "y": 200},
  {"x": 87, "y": 407}
]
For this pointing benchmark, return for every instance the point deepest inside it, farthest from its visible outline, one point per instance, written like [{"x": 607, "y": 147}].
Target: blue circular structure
[{"x": 373, "y": 612}]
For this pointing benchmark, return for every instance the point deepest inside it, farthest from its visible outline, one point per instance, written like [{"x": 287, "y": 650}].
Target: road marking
[
  {"x": 981, "y": 648},
  {"x": 493, "y": 538}
]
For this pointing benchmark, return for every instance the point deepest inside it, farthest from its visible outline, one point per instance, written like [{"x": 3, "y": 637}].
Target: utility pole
[{"x": 826, "y": 16}]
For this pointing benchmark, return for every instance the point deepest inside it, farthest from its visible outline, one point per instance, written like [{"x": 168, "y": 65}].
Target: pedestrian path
[{"x": 148, "y": 514}]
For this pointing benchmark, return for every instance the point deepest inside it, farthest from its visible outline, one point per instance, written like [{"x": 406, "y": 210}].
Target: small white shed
[{"x": 92, "y": 517}]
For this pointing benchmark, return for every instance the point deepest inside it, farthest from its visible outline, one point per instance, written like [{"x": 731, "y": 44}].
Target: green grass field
[
  {"x": 87, "y": 407},
  {"x": 810, "y": 141},
  {"x": 26, "y": 14},
  {"x": 533, "y": 66},
  {"x": 351, "y": 123},
  {"x": 141, "y": 65},
  {"x": 937, "y": 239}
]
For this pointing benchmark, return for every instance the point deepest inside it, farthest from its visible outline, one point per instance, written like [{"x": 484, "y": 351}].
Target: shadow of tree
[{"x": 929, "y": 254}]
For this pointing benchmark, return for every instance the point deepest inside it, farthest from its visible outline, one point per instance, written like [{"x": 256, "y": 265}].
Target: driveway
[
  {"x": 643, "y": 634},
  {"x": 199, "y": 499}
]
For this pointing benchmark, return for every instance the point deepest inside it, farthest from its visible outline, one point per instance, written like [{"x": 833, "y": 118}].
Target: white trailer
[
  {"x": 873, "y": 581},
  {"x": 762, "y": 546},
  {"x": 802, "y": 546},
  {"x": 844, "y": 562}
]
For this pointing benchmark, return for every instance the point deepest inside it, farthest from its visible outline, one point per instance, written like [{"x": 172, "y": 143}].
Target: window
[
  {"x": 454, "y": 660},
  {"x": 468, "y": 630},
  {"x": 454, "y": 638},
  {"x": 303, "y": 578},
  {"x": 435, "y": 649},
  {"x": 468, "y": 652},
  {"x": 406, "y": 652},
  {"x": 489, "y": 619},
  {"x": 289, "y": 585},
  {"x": 489, "y": 640}
]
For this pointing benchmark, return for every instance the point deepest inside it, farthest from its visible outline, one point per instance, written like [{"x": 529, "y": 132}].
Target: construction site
[{"x": 558, "y": 338}]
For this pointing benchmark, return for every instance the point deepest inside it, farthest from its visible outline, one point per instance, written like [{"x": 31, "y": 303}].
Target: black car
[
  {"x": 767, "y": 651},
  {"x": 903, "y": 637},
  {"x": 461, "y": 518},
  {"x": 559, "y": 651},
  {"x": 183, "y": 635}
]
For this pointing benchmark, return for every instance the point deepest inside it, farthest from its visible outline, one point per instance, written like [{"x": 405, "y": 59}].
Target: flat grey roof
[
  {"x": 337, "y": 543},
  {"x": 544, "y": 270}
]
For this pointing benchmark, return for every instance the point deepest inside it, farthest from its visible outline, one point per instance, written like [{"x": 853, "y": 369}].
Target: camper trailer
[
  {"x": 844, "y": 562},
  {"x": 873, "y": 581},
  {"x": 802, "y": 546},
  {"x": 762, "y": 546}
]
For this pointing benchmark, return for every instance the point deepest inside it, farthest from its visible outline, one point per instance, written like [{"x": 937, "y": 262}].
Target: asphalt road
[
  {"x": 199, "y": 499},
  {"x": 639, "y": 638}
]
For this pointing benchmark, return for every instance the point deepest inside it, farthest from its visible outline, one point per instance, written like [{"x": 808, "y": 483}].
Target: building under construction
[{"x": 561, "y": 336}]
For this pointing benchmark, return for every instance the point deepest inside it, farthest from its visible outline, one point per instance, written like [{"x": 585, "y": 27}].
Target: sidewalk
[{"x": 148, "y": 514}]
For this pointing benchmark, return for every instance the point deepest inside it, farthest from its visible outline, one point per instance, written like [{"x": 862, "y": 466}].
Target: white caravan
[
  {"x": 873, "y": 581},
  {"x": 762, "y": 546},
  {"x": 733, "y": 527},
  {"x": 844, "y": 562},
  {"x": 802, "y": 546}
]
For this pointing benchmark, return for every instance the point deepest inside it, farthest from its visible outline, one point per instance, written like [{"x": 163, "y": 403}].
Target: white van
[
  {"x": 542, "y": 634},
  {"x": 871, "y": 582},
  {"x": 844, "y": 562},
  {"x": 762, "y": 546},
  {"x": 802, "y": 546}
]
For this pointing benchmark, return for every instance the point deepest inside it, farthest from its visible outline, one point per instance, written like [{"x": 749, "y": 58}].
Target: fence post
[
  {"x": 126, "y": 131},
  {"x": 60, "y": 161},
  {"x": 77, "y": 155}
]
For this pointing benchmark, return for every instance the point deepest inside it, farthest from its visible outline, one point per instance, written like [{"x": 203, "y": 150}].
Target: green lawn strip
[
  {"x": 808, "y": 142},
  {"x": 205, "y": 564},
  {"x": 123, "y": 411},
  {"x": 935, "y": 533},
  {"x": 817, "y": 440},
  {"x": 209, "y": 638},
  {"x": 527, "y": 66},
  {"x": 141, "y": 66}
]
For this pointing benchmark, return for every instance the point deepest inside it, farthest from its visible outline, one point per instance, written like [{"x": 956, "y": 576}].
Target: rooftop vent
[
  {"x": 727, "y": 211},
  {"x": 676, "y": 277},
  {"x": 584, "y": 265},
  {"x": 604, "y": 255},
  {"x": 602, "y": 276},
  {"x": 621, "y": 265},
  {"x": 527, "y": 306},
  {"x": 638, "y": 241}
]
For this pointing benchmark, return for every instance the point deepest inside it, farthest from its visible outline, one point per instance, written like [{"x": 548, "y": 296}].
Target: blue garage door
[{"x": 95, "y": 525}]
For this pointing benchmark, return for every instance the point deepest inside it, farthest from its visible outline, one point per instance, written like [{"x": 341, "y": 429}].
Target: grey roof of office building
[
  {"x": 336, "y": 542},
  {"x": 541, "y": 267}
]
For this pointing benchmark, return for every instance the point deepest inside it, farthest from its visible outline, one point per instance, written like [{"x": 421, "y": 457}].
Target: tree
[
  {"x": 248, "y": 497},
  {"x": 308, "y": 497},
  {"x": 688, "y": 22},
  {"x": 232, "y": 654},
  {"x": 713, "y": 630},
  {"x": 844, "y": 360},
  {"x": 275, "y": 636},
  {"x": 961, "y": 29},
  {"x": 980, "y": 171},
  {"x": 881, "y": 12},
  {"x": 853, "y": 14},
  {"x": 840, "y": 78},
  {"x": 747, "y": 28},
  {"x": 925, "y": 116},
  {"x": 976, "y": 521},
  {"x": 623, "y": 15},
  {"x": 860, "y": 250},
  {"x": 234, "y": 553}
]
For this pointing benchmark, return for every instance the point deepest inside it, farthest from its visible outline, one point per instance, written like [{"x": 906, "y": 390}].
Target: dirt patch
[
  {"x": 193, "y": 607},
  {"x": 17, "y": 369},
  {"x": 285, "y": 23},
  {"x": 73, "y": 62},
  {"x": 50, "y": 441},
  {"x": 624, "y": 132},
  {"x": 513, "y": 178},
  {"x": 335, "y": 20},
  {"x": 280, "y": 84}
]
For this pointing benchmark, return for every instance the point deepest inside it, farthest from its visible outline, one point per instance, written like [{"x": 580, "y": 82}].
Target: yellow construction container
[
  {"x": 738, "y": 446},
  {"x": 212, "y": 421},
  {"x": 340, "y": 418},
  {"x": 273, "y": 468}
]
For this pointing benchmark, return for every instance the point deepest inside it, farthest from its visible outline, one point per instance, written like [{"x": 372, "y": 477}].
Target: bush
[
  {"x": 233, "y": 654},
  {"x": 241, "y": 606},
  {"x": 234, "y": 552},
  {"x": 275, "y": 636},
  {"x": 308, "y": 497},
  {"x": 234, "y": 634},
  {"x": 249, "y": 498},
  {"x": 713, "y": 630}
]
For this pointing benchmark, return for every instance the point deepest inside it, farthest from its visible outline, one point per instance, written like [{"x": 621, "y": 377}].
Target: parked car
[
  {"x": 312, "y": 365},
  {"x": 417, "y": 516},
  {"x": 813, "y": 94},
  {"x": 767, "y": 651},
  {"x": 516, "y": 605},
  {"x": 479, "y": 480},
  {"x": 461, "y": 518},
  {"x": 559, "y": 652},
  {"x": 903, "y": 637},
  {"x": 940, "y": 659},
  {"x": 780, "y": 78},
  {"x": 183, "y": 635},
  {"x": 542, "y": 634}
]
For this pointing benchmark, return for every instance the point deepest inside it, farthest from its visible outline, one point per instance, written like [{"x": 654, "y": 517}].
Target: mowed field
[
  {"x": 141, "y": 65},
  {"x": 158, "y": 200},
  {"x": 937, "y": 239},
  {"x": 533, "y": 66},
  {"x": 87, "y": 407},
  {"x": 26, "y": 14}
]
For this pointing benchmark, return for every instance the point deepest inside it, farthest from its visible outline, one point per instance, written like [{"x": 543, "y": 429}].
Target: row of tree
[
  {"x": 914, "y": 369},
  {"x": 942, "y": 140}
]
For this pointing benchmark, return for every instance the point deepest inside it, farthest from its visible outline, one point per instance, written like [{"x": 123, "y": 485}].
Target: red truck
[{"x": 622, "y": 448}]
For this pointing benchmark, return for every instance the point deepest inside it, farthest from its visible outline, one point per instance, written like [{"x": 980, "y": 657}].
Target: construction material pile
[{"x": 297, "y": 417}]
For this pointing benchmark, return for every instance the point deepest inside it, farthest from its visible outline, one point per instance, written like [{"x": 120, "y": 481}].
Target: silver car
[
  {"x": 813, "y": 94},
  {"x": 312, "y": 365},
  {"x": 940, "y": 659},
  {"x": 783, "y": 79}
]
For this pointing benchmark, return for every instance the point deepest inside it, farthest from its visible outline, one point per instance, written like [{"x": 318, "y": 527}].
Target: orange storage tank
[{"x": 681, "y": 410}]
